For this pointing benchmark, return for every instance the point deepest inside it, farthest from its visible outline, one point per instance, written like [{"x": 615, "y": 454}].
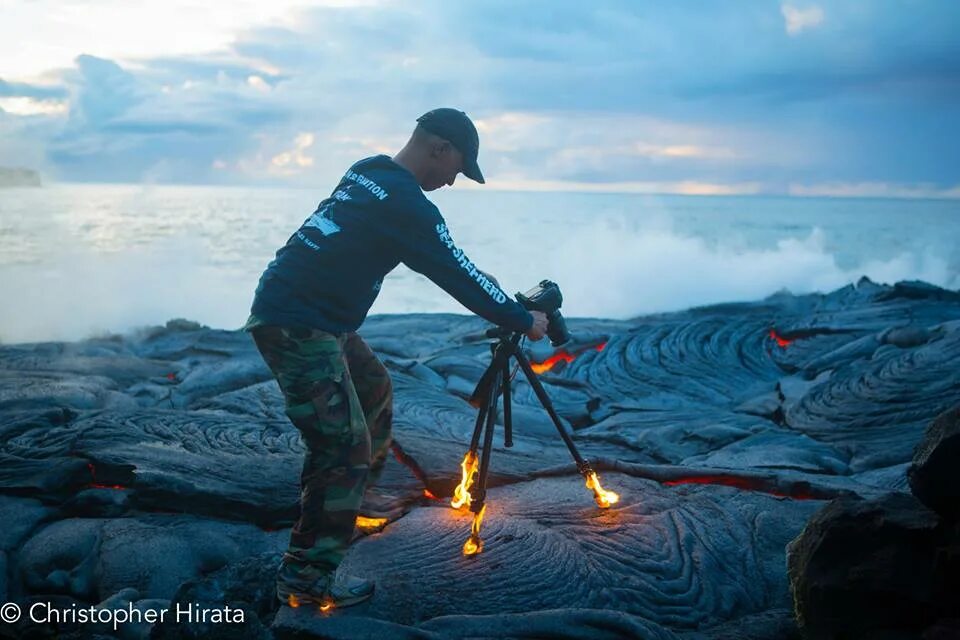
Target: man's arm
[
  {"x": 540, "y": 322},
  {"x": 427, "y": 247}
]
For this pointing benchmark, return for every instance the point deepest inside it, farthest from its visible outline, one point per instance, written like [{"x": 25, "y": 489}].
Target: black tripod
[{"x": 495, "y": 382}]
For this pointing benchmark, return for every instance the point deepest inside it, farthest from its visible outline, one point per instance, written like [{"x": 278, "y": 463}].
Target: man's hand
[{"x": 539, "y": 328}]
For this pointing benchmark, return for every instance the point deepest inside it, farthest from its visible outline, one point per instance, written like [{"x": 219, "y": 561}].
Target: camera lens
[{"x": 557, "y": 328}]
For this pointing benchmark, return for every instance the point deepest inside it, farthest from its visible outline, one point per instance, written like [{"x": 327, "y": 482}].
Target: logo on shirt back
[
  {"x": 321, "y": 220},
  {"x": 367, "y": 184}
]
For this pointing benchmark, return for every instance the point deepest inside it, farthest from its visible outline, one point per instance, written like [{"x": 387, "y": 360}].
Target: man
[{"x": 309, "y": 303}]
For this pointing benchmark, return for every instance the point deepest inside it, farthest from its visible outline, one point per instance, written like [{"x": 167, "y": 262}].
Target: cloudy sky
[{"x": 840, "y": 97}]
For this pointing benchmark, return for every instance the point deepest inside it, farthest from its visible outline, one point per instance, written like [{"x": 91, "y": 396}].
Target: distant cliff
[{"x": 19, "y": 177}]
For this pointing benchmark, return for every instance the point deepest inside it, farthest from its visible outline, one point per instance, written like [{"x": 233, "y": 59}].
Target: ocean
[{"x": 83, "y": 260}]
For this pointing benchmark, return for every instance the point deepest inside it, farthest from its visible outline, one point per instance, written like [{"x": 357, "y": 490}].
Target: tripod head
[
  {"x": 546, "y": 298},
  {"x": 505, "y": 347},
  {"x": 499, "y": 333}
]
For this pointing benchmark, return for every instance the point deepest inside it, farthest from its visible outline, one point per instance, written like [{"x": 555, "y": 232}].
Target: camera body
[{"x": 546, "y": 297}]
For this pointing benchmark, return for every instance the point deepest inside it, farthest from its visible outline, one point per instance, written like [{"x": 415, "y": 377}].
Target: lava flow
[
  {"x": 411, "y": 464},
  {"x": 549, "y": 363},
  {"x": 780, "y": 340},
  {"x": 797, "y": 492},
  {"x": 97, "y": 485},
  {"x": 603, "y": 497},
  {"x": 474, "y": 544},
  {"x": 461, "y": 495},
  {"x": 370, "y": 525}
]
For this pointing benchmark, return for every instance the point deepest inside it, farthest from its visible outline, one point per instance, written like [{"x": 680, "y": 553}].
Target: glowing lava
[
  {"x": 603, "y": 497},
  {"x": 461, "y": 495},
  {"x": 411, "y": 464},
  {"x": 474, "y": 544},
  {"x": 324, "y": 606},
  {"x": 798, "y": 492},
  {"x": 549, "y": 363},
  {"x": 781, "y": 341},
  {"x": 370, "y": 525},
  {"x": 97, "y": 485}
]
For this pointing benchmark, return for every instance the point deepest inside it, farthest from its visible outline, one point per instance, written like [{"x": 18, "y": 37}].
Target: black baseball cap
[{"x": 455, "y": 126}]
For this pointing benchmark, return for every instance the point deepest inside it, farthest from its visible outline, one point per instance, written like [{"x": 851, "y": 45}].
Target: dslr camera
[{"x": 546, "y": 297}]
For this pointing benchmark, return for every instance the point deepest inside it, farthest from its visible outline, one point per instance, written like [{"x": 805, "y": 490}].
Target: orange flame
[
  {"x": 370, "y": 525},
  {"x": 461, "y": 495},
  {"x": 429, "y": 494},
  {"x": 474, "y": 544},
  {"x": 603, "y": 497},
  {"x": 324, "y": 606}
]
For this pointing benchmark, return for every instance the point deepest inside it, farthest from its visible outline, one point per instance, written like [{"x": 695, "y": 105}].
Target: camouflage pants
[{"x": 339, "y": 396}]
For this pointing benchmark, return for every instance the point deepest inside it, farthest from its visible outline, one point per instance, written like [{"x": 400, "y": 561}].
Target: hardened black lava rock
[
  {"x": 159, "y": 466},
  {"x": 935, "y": 472},
  {"x": 874, "y": 568}
]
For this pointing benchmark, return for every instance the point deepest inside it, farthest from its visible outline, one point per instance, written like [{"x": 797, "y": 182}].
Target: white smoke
[
  {"x": 616, "y": 273},
  {"x": 100, "y": 261},
  {"x": 81, "y": 293}
]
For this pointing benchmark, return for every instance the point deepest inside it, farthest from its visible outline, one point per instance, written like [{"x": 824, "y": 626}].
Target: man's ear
[{"x": 439, "y": 148}]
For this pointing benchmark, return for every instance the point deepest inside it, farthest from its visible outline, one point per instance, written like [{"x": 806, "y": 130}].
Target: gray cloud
[
  {"x": 863, "y": 95},
  {"x": 25, "y": 90}
]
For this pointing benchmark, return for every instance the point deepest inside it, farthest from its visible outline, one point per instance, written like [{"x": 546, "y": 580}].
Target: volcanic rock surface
[
  {"x": 881, "y": 568},
  {"x": 158, "y": 467},
  {"x": 933, "y": 475}
]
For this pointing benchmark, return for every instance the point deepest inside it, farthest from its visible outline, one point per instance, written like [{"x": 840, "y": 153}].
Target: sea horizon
[
  {"x": 92, "y": 258},
  {"x": 463, "y": 185}
]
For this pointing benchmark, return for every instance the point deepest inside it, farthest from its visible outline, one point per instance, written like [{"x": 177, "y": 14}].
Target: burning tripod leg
[
  {"x": 603, "y": 497},
  {"x": 470, "y": 464},
  {"x": 474, "y": 544},
  {"x": 468, "y": 468}
]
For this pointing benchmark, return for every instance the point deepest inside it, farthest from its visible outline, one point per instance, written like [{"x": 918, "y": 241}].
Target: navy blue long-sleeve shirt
[{"x": 329, "y": 272}]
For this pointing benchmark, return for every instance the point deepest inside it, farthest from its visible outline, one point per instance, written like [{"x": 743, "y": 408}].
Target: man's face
[{"x": 447, "y": 163}]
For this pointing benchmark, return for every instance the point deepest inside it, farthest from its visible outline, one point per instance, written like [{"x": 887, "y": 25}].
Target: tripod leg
[
  {"x": 468, "y": 470},
  {"x": 487, "y": 388},
  {"x": 507, "y": 409},
  {"x": 474, "y": 544},
  {"x": 548, "y": 405},
  {"x": 478, "y": 426},
  {"x": 487, "y": 447},
  {"x": 602, "y": 497},
  {"x": 468, "y": 467}
]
